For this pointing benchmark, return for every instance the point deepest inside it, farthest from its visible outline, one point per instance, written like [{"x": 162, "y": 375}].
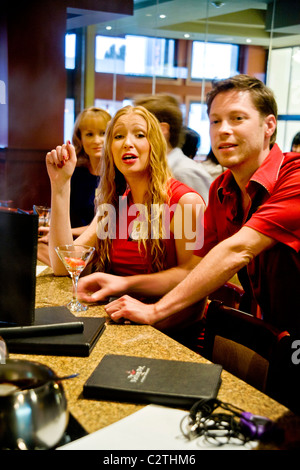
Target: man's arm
[
  {"x": 99, "y": 286},
  {"x": 216, "y": 268},
  {"x": 184, "y": 226}
]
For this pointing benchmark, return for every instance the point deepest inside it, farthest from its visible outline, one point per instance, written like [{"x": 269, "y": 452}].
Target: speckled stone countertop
[{"x": 140, "y": 340}]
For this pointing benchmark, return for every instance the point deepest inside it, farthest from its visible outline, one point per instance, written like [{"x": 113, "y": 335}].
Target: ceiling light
[
  {"x": 163, "y": 16},
  {"x": 217, "y": 4},
  {"x": 186, "y": 35},
  {"x": 248, "y": 40},
  {"x": 108, "y": 28}
]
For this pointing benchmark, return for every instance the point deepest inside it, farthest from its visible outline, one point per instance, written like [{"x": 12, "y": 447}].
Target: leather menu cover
[
  {"x": 146, "y": 380},
  {"x": 18, "y": 254},
  {"x": 56, "y": 314},
  {"x": 47, "y": 321},
  {"x": 71, "y": 344}
]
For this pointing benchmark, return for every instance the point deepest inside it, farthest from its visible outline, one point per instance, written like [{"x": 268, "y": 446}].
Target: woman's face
[
  {"x": 130, "y": 146},
  {"x": 92, "y": 136}
]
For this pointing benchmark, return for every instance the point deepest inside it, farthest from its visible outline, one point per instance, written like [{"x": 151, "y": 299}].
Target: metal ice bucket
[{"x": 33, "y": 406}]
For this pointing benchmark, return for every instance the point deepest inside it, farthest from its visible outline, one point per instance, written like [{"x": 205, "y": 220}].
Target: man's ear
[
  {"x": 270, "y": 123},
  {"x": 165, "y": 127}
]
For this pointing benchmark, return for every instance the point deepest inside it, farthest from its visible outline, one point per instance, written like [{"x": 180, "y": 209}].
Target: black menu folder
[
  {"x": 18, "y": 254},
  {"x": 146, "y": 380},
  {"x": 78, "y": 343}
]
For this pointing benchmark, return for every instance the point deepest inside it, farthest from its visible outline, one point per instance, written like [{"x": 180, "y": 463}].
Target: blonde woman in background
[{"x": 88, "y": 140}]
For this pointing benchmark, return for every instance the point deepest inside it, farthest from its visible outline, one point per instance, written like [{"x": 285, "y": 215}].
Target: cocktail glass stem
[{"x": 75, "y": 278}]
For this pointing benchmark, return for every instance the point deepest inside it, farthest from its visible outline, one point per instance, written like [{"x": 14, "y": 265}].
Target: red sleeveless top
[{"x": 127, "y": 257}]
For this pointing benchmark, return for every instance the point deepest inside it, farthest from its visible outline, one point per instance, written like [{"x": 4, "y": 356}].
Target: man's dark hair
[{"x": 262, "y": 96}]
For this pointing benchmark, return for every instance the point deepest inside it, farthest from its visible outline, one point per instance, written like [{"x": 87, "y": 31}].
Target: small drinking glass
[
  {"x": 44, "y": 214},
  {"x": 6, "y": 203},
  {"x": 75, "y": 258}
]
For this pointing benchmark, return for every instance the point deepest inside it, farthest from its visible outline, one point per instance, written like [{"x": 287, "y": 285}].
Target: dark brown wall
[
  {"x": 36, "y": 89},
  {"x": 32, "y": 35}
]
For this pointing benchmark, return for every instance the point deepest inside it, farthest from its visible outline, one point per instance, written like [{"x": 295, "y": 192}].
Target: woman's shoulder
[{"x": 178, "y": 189}]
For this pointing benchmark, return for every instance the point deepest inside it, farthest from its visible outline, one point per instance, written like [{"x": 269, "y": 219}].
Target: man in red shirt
[{"x": 252, "y": 222}]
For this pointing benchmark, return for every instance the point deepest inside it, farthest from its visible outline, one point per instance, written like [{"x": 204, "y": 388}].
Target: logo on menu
[{"x": 137, "y": 375}]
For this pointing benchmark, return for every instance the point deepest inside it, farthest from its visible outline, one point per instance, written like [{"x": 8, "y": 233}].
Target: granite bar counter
[{"x": 140, "y": 340}]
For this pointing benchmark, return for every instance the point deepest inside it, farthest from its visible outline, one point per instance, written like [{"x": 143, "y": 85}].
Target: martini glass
[{"x": 75, "y": 258}]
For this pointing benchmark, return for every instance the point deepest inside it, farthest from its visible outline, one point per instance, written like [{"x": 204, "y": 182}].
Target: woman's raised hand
[{"x": 61, "y": 162}]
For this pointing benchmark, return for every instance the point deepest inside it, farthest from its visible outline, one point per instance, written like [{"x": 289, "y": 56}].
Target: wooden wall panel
[
  {"x": 32, "y": 35},
  {"x": 24, "y": 178},
  {"x": 36, "y": 90}
]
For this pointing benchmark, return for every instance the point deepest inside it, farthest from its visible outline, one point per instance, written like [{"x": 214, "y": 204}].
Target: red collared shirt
[{"x": 274, "y": 190}]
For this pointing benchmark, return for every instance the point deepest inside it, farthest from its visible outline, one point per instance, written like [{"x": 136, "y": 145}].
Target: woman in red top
[{"x": 145, "y": 220}]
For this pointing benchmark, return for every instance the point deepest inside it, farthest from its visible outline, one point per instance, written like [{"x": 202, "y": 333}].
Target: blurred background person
[
  {"x": 88, "y": 140},
  {"x": 295, "y": 147},
  {"x": 167, "y": 110},
  {"x": 191, "y": 143},
  {"x": 212, "y": 165}
]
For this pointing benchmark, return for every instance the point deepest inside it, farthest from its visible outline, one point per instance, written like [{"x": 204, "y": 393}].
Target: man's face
[{"x": 239, "y": 135}]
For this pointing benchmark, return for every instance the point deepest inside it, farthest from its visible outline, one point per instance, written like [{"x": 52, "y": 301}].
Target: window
[
  {"x": 112, "y": 106},
  {"x": 209, "y": 61},
  {"x": 70, "y": 51},
  {"x": 156, "y": 56},
  {"x": 198, "y": 120},
  {"x": 69, "y": 119},
  {"x": 284, "y": 80},
  {"x": 212, "y": 60}
]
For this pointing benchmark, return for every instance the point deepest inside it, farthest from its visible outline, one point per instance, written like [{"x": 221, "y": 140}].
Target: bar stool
[{"x": 244, "y": 345}]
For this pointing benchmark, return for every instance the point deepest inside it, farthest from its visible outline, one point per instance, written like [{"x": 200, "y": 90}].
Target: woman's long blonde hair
[{"x": 113, "y": 185}]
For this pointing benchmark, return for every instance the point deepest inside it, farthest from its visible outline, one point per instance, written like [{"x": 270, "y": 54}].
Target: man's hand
[{"x": 129, "y": 309}]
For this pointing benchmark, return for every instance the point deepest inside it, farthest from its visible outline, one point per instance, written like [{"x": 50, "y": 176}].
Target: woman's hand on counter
[{"x": 97, "y": 287}]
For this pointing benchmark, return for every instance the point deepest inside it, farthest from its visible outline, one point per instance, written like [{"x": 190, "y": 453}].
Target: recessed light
[
  {"x": 163, "y": 16},
  {"x": 186, "y": 35},
  {"x": 108, "y": 28},
  {"x": 217, "y": 4},
  {"x": 248, "y": 40}
]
